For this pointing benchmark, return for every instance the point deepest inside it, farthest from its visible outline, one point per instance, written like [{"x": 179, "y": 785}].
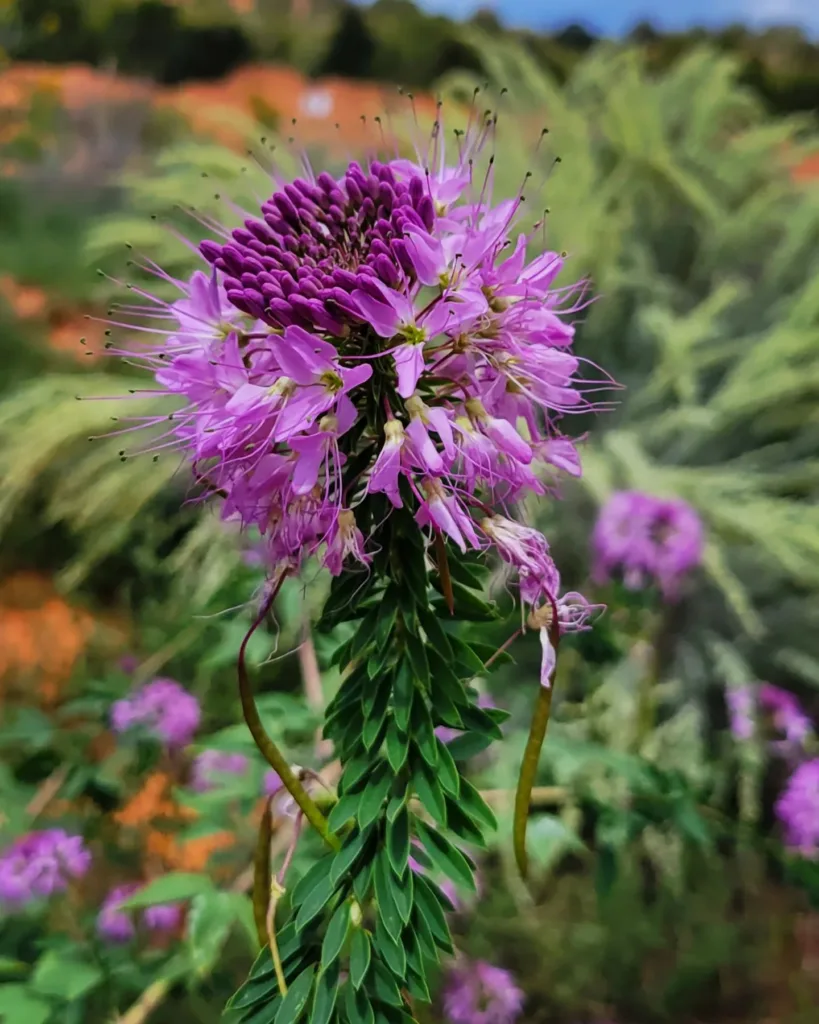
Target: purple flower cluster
[
  {"x": 40, "y": 864},
  {"x": 798, "y": 809},
  {"x": 647, "y": 539},
  {"x": 211, "y": 767},
  {"x": 388, "y": 319},
  {"x": 780, "y": 709},
  {"x": 116, "y": 924},
  {"x": 476, "y": 992},
  {"x": 163, "y": 708}
]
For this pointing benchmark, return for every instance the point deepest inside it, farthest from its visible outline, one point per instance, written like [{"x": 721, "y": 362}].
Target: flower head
[
  {"x": 211, "y": 768},
  {"x": 647, "y": 539},
  {"x": 40, "y": 864},
  {"x": 162, "y": 707},
  {"x": 476, "y": 992},
  {"x": 380, "y": 332},
  {"x": 798, "y": 809}
]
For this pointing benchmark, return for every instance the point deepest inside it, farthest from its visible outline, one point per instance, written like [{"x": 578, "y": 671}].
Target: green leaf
[
  {"x": 461, "y": 825},
  {"x": 389, "y": 949},
  {"x": 295, "y": 1001},
  {"x": 377, "y": 713},
  {"x": 447, "y": 770},
  {"x": 425, "y": 784},
  {"x": 402, "y": 893},
  {"x": 385, "y": 897},
  {"x": 416, "y": 652},
  {"x": 423, "y": 734},
  {"x": 175, "y": 887},
  {"x": 403, "y": 693},
  {"x": 468, "y": 605},
  {"x": 465, "y": 656},
  {"x": 316, "y": 874},
  {"x": 343, "y": 811},
  {"x": 19, "y": 1006},
  {"x": 210, "y": 920},
  {"x": 417, "y": 986},
  {"x": 387, "y": 614},
  {"x": 462, "y": 748},
  {"x": 64, "y": 977},
  {"x": 336, "y": 935},
  {"x": 324, "y": 1000},
  {"x": 398, "y": 841},
  {"x": 347, "y": 856},
  {"x": 414, "y": 573},
  {"x": 375, "y": 794},
  {"x": 447, "y": 858},
  {"x": 10, "y": 966},
  {"x": 363, "y": 882},
  {"x": 475, "y": 806},
  {"x": 357, "y": 1005},
  {"x": 434, "y": 631},
  {"x": 470, "y": 576},
  {"x": 356, "y": 770},
  {"x": 396, "y": 745},
  {"x": 428, "y": 905},
  {"x": 360, "y": 955},
  {"x": 316, "y": 900},
  {"x": 384, "y": 988}
]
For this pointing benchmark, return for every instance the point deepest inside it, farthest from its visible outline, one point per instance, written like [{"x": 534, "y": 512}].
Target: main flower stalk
[{"x": 372, "y": 374}]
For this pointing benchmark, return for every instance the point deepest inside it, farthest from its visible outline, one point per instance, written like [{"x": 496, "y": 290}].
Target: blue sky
[{"x": 614, "y": 17}]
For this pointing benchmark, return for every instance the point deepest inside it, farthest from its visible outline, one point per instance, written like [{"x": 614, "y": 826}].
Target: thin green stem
[
  {"x": 268, "y": 749},
  {"x": 531, "y": 758}
]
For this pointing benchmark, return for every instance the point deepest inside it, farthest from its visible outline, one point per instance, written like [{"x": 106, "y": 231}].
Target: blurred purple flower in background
[
  {"x": 113, "y": 923},
  {"x": 647, "y": 538},
  {"x": 164, "y": 708},
  {"x": 211, "y": 767},
  {"x": 798, "y": 810},
  {"x": 117, "y": 925},
  {"x": 786, "y": 714},
  {"x": 39, "y": 864},
  {"x": 476, "y": 992},
  {"x": 164, "y": 917},
  {"x": 741, "y": 705}
]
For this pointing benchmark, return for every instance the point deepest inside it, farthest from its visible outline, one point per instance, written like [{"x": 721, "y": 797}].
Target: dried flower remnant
[
  {"x": 647, "y": 539},
  {"x": 163, "y": 708},
  {"x": 798, "y": 810},
  {"x": 40, "y": 864},
  {"x": 476, "y": 992}
]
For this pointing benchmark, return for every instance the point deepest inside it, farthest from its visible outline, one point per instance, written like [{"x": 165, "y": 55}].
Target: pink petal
[
  {"x": 379, "y": 315},
  {"x": 409, "y": 362}
]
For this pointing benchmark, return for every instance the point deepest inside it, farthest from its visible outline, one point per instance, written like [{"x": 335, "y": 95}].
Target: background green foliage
[{"x": 656, "y": 896}]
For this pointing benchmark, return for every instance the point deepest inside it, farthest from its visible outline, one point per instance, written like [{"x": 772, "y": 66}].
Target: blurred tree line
[{"x": 390, "y": 40}]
